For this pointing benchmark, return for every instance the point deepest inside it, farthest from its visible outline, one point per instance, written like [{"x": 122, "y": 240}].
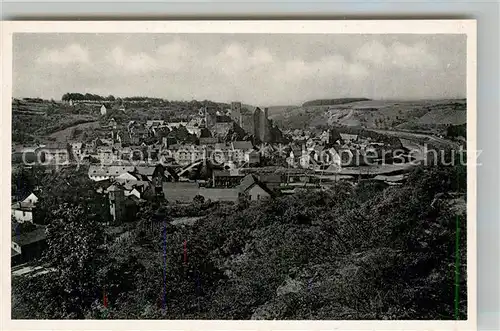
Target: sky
[{"x": 256, "y": 69}]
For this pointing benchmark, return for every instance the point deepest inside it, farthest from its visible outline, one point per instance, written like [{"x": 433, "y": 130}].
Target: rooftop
[
  {"x": 31, "y": 237},
  {"x": 96, "y": 170},
  {"x": 242, "y": 145},
  {"x": 27, "y": 206},
  {"x": 247, "y": 182}
]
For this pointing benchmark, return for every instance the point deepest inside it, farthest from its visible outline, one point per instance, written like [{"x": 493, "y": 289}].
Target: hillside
[
  {"x": 426, "y": 115},
  {"x": 331, "y": 102},
  {"x": 35, "y": 122},
  {"x": 364, "y": 252}
]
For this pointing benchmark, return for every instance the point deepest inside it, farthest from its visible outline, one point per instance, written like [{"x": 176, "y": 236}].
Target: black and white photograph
[{"x": 241, "y": 176}]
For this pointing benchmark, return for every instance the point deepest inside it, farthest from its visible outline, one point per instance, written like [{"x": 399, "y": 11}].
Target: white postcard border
[{"x": 467, "y": 27}]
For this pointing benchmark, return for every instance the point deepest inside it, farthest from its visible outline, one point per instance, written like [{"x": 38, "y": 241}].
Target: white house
[
  {"x": 349, "y": 137},
  {"x": 31, "y": 199},
  {"x": 77, "y": 150},
  {"x": 133, "y": 192},
  {"x": 151, "y": 123},
  {"x": 103, "y": 110},
  {"x": 256, "y": 191},
  {"x": 99, "y": 173},
  {"x": 127, "y": 177},
  {"x": 172, "y": 125},
  {"x": 305, "y": 159},
  {"x": 22, "y": 212}
]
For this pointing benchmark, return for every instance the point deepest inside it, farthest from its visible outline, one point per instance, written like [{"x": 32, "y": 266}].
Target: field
[
  {"x": 66, "y": 134},
  {"x": 40, "y": 122}
]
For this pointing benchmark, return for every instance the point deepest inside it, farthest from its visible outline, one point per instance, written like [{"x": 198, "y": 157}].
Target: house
[
  {"x": 31, "y": 199},
  {"x": 106, "y": 155},
  {"x": 193, "y": 127},
  {"x": 171, "y": 175},
  {"x": 112, "y": 124},
  {"x": 153, "y": 174},
  {"x": 127, "y": 176},
  {"x": 304, "y": 159},
  {"x": 271, "y": 180},
  {"x": 352, "y": 158},
  {"x": 103, "y": 110},
  {"x": 150, "y": 172},
  {"x": 208, "y": 140},
  {"x": 325, "y": 137},
  {"x": 320, "y": 156},
  {"x": 22, "y": 212},
  {"x": 185, "y": 155},
  {"x": 225, "y": 179},
  {"x": 254, "y": 189},
  {"x": 77, "y": 150},
  {"x": 154, "y": 123},
  {"x": 252, "y": 157},
  {"x": 100, "y": 172},
  {"x": 102, "y": 185},
  {"x": 133, "y": 192},
  {"x": 139, "y": 188},
  {"x": 241, "y": 152},
  {"x": 26, "y": 247},
  {"x": 349, "y": 137},
  {"x": 294, "y": 156},
  {"x": 172, "y": 125},
  {"x": 242, "y": 145}
]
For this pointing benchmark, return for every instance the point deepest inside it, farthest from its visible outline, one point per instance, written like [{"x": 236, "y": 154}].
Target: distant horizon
[{"x": 246, "y": 103}]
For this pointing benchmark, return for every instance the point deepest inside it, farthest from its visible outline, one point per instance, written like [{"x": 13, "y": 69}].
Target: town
[
  {"x": 218, "y": 154},
  {"x": 226, "y": 177}
]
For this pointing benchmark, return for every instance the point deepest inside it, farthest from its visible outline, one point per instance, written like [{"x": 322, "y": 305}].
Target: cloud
[
  {"x": 173, "y": 56},
  {"x": 397, "y": 55},
  {"x": 71, "y": 54},
  {"x": 132, "y": 63},
  {"x": 258, "y": 63},
  {"x": 264, "y": 69},
  {"x": 234, "y": 59}
]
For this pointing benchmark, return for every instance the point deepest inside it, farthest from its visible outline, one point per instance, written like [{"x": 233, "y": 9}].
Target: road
[{"x": 406, "y": 134}]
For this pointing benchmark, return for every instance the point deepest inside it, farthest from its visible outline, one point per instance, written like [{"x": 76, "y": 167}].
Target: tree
[
  {"x": 355, "y": 251},
  {"x": 199, "y": 199},
  {"x": 85, "y": 272}
]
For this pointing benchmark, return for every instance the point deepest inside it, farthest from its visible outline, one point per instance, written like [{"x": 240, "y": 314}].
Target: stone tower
[
  {"x": 236, "y": 112},
  {"x": 257, "y": 120},
  {"x": 116, "y": 204}
]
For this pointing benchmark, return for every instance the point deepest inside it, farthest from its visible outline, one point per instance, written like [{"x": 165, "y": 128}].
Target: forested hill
[
  {"x": 349, "y": 253},
  {"x": 331, "y": 102}
]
